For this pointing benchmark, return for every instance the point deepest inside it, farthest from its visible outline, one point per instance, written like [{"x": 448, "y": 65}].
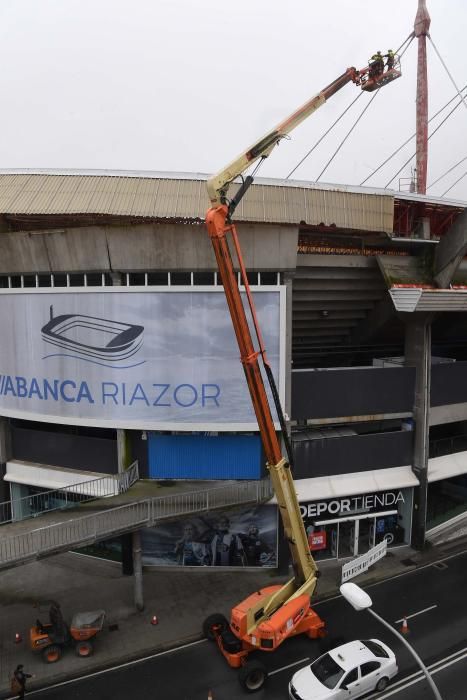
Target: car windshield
[
  {"x": 327, "y": 671},
  {"x": 376, "y": 649}
]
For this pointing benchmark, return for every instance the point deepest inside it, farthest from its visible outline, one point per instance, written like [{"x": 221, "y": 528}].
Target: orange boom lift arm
[{"x": 274, "y": 613}]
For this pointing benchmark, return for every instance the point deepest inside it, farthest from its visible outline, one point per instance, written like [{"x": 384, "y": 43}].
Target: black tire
[
  {"x": 214, "y": 620},
  {"x": 252, "y": 676},
  {"x": 52, "y": 654},
  {"x": 84, "y": 649},
  {"x": 382, "y": 684}
]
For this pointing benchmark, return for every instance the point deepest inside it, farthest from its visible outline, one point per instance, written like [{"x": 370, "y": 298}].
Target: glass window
[
  {"x": 137, "y": 279},
  {"x": 369, "y": 667},
  {"x": 202, "y": 278},
  {"x": 180, "y": 278},
  {"x": 322, "y": 541},
  {"x": 76, "y": 280},
  {"x": 158, "y": 279},
  {"x": 327, "y": 671},
  {"x": 375, "y": 648},
  {"x": 351, "y": 677}
]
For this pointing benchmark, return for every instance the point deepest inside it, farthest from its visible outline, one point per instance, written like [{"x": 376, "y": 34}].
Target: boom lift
[{"x": 268, "y": 616}]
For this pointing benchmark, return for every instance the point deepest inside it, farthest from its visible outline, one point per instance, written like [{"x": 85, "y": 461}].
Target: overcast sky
[{"x": 180, "y": 85}]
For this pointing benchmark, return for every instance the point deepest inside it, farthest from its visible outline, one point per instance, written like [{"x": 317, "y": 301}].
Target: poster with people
[{"x": 233, "y": 538}]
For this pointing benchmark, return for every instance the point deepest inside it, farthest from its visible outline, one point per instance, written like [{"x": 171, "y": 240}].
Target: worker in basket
[
  {"x": 376, "y": 64},
  {"x": 390, "y": 59}
]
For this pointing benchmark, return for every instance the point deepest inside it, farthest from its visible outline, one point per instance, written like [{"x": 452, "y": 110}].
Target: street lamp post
[{"x": 360, "y": 600}]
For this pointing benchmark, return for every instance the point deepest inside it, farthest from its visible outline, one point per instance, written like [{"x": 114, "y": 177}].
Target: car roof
[{"x": 352, "y": 654}]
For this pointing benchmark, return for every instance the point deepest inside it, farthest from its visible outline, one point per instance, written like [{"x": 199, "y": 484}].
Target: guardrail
[
  {"x": 68, "y": 497},
  {"x": 449, "y": 530},
  {"x": 84, "y": 530},
  {"x": 129, "y": 477}
]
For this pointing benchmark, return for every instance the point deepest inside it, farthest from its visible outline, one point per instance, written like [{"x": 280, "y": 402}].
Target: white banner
[
  {"x": 131, "y": 357},
  {"x": 363, "y": 563}
]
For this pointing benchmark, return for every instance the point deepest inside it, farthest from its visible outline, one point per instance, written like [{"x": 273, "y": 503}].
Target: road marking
[
  {"x": 284, "y": 668},
  {"x": 201, "y": 641},
  {"x": 114, "y": 668},
  {"x": 420, "y": 612},
  {"x": 395, "y": 687},
  {"x": 419, "y": 676},
  {"x": 392, "y": 578}
]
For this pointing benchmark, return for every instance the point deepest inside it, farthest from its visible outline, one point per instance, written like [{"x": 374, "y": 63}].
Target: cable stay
[
  {"x": 347, "y": 136},
  {"x": 455, "y": 183},
  {"x": 432, "y": 184},
  {"x": 429, "y": 137},
  {"x": 324, "y": 135},
  {"x": 400, "y": 52},
  {"x": 447, "y": 71},
  {"x": 410, "y": 139}
]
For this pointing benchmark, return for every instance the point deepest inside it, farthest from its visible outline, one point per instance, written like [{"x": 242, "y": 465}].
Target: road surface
[{"x": 432, "y": 598}]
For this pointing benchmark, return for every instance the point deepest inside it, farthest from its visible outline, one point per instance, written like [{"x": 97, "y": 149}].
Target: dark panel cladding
[
  {"x": 139, "y": 451},
  {"x": 336, "y": 393},
  {"x": 448, "y": 383},
  {"x": 355, "y": 453},
  {"x": 69, "y": 450}
]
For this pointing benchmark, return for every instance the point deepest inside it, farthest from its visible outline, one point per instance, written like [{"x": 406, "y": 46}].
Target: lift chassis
[{"x": 267, "y": 617}]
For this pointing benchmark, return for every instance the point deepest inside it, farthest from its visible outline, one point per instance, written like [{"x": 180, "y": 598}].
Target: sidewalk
[{"x": 181, "y": 599}]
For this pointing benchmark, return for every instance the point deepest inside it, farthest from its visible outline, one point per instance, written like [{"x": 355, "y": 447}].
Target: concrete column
[
  {"x": 5, "y": 455},
  {"x": 283, "y": 555},
  {"x": 122, "y": 457},
  {"x": 418, "y": 355},
  {"x": 288, "y": 279},
  {"x": 117, "y": 279},
  {"x": 126, "y": 542},
  {"x": 5, "y": 440},
  {"x": 138, "y": 570}
]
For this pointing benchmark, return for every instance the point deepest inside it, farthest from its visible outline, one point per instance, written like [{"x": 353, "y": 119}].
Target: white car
[{"x": 348, "y": 671}]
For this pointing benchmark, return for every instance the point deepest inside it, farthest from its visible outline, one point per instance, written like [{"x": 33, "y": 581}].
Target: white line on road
[
  {"x": 398, "y": 685},
  {"x": 414, "y": 678},
  {"x": 115, "y": 668},
  {"x": 284, "y": 668},
  {"x": 420, "y": 612},
  {"x": 393, "y": 578}
]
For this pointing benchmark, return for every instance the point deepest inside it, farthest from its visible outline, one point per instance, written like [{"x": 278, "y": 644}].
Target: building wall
[
  {"x": 65, "y": 449},
  {"x": 141, "y": 247},
  {"x": 333, "y": 393},
  {"x": 354, "y": 453}
]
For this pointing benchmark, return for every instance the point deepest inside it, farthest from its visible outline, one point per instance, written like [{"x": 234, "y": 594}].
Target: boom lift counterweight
[{"x": 269, "y": 616}]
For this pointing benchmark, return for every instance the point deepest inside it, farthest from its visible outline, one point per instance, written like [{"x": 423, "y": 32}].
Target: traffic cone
[
  {"x": 154, "y": 620},
  {"x": 405, "y": 627},
  {"x": 18, "y": 638}
]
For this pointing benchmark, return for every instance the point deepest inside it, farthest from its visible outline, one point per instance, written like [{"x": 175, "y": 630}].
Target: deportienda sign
[{"x": 340, "y": 507}]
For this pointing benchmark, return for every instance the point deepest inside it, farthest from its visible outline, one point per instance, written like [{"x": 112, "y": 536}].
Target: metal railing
[
  {"x": 80, "y": 531},
  {"x": 67, "y": 497},
  {"x": 129, "y": 477},
  {"x": 226, "y": 495},
  {"x": 453, "y": 528}
]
